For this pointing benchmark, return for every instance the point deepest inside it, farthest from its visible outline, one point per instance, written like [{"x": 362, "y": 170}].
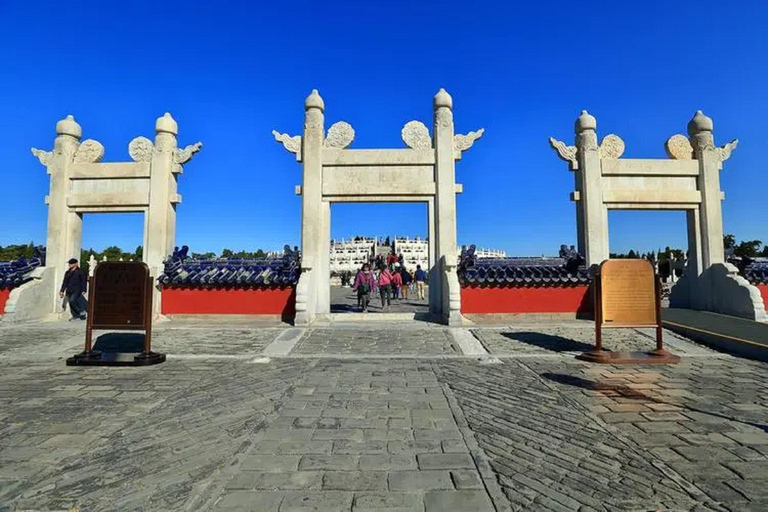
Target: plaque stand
[
  {"x": 598, "y": 355},
  {"x": 90, "y": 357}
]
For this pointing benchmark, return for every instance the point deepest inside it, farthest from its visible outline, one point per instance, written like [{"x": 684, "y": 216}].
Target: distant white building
[
  {"x": 350, "y": 254},
  {"x": 489, "y": 253},
  {"x": 415, "y": 251}
]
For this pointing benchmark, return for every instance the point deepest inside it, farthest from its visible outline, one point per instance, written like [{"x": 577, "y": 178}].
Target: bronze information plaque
[
  {"x": 627, "y": 293},
  {"x": 628, "y": 289},
  {"x": 119, "y": 298},
  {"x": 120, "y": 290}
]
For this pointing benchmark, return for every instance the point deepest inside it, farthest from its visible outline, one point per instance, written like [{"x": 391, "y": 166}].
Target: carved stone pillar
[
  {"x": 445, "y": 206},
  {"x": 710, "y": 210},
  {"x": 594, "y": 216},
  {"x": 64, "y": 232},
  {"x": 312, "y": 212},
  {"x": 161, "y": 214}
]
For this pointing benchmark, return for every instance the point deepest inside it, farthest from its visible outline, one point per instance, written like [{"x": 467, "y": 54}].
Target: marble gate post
[
  {"x": 65, "y": 227},
  {"x": 160, "y": 218},
  {"x": 592, "y": 215},
  {"x": 710, "y": 209},
  {"x": 445, "y": 210},
  {"x": 315, "y": 217}
]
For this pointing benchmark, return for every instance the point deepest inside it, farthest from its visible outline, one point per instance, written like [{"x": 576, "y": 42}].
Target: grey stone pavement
[{"x": 379, "y": 416}]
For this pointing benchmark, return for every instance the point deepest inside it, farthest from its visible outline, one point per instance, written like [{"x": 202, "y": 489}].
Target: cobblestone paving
[
  {"x": 570, "y": 436},
  {"x": 329, "y": 429},
  {"x": 576, "y": 337},
  {"x": 128, "y": 438},
  {"x": 368, "y": 436},
  {"x": 201, "y": 340},
  {"x": 41, "y": 339},
  {"x": 381, "y": 339}
]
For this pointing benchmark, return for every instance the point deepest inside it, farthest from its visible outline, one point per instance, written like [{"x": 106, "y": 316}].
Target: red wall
[
  {"x": 4, "y": 294},
  {"x": 478, "y": 299},
  {"x": 764, "y": 292},
  {"x": 229, "y": 301}
]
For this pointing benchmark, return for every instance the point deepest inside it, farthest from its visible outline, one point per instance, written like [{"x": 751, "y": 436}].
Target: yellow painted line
[{"x": 739, "y": 340}]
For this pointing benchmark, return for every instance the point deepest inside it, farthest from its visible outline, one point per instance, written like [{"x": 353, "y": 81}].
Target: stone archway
[
  {"x": 423, "y": 172},
  {"x": 80, "y": 183},
  {"x": 689, "y": 181}
]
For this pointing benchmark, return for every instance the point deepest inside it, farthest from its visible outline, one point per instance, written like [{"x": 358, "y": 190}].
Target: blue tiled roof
[
  {"x": 15, "y": 273},
  {"x": 241, "y": 273},
  {"x": 567, "y": 271},
  {"x": 756, "y": 273}
]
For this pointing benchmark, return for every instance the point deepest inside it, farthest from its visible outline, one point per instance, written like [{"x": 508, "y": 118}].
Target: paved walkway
[
  {"x": 392, "y": 417},
  {"x": 344, "y": 300}
]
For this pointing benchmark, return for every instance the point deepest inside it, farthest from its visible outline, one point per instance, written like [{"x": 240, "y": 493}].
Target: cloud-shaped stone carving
[
  {"x": 340, "y": 135},
  {"x": 141, "y": 149},
  {"x": 291, "y": 144},
  {"x": 89, "y": 152},
  {"x": 416, "y": 135}
]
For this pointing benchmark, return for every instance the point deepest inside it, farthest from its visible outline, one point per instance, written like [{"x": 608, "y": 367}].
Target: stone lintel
[
  {"x": 643, "y": 183},
  {"x": 378, "y": 198},
  {"x": 363, "y": 157},
  {"x": 459, "y": 188},
  {"x": 376, "y": 180},
  {"x": 108, "y": 199},
  {"x": 575, "y": 196},
  {"x": 652, "y": 196},
  {"x": 110, "y": 209},
  {"x": 297, "y": 190},
  {"x": 109, "y": 170},
  {"x": 652, "y": 206},
  {"x": 649, "y": 167}
]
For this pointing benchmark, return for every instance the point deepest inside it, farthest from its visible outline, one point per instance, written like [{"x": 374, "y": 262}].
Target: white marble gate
[{"x": 423, "y": 172}]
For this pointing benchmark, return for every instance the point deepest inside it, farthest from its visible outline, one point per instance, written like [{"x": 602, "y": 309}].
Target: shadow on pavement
[
  {"x": 129, "y": 342},
  {"x": 549, "y": 342}
]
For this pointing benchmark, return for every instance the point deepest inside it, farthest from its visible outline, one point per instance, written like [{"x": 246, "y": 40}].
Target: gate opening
[
  {"x": 391, "y": 236},
  {"x": 112, "y": 237}
]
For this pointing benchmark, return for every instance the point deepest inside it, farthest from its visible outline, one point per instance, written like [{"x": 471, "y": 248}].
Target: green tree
[
  {"x": 748, "y": 249},
  {"x": 14, "y": 252},
  {"x": 112, "y": 253},
  {"x": 729, "y": 241},
  {"x": 204, "y": 255}
]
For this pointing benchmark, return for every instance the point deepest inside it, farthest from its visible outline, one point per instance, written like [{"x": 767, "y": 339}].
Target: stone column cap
[
  {"x": 166, "y": 124},
  {"x": 585, "y": 121},
  {"x": 443, "y": 99},
  {"x": 68, "y": 126},
  {"x": 314, "y": 100},
  {"x": 700, "y": 123}
]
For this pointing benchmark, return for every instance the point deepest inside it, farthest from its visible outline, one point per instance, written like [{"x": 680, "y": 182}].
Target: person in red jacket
[{"x": 397, "y": 283}]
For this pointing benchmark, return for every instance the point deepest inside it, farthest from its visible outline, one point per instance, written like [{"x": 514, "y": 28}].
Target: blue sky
[{"x": 230, "y": 72}]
